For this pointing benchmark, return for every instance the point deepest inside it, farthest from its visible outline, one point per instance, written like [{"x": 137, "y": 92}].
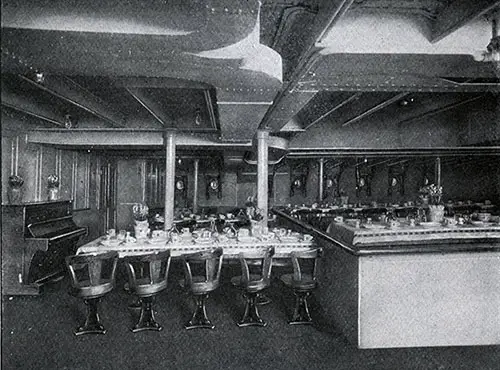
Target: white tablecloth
[{"x": 232, "y": 247}]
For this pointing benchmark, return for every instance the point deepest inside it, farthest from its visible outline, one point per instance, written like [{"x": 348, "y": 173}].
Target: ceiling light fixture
[{"x": 39, "y": 77}]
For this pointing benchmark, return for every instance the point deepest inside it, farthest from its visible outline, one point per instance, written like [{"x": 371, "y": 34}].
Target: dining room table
[{"x": 189, "y": 243}]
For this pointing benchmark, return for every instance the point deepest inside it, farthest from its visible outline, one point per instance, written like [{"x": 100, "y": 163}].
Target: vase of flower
[
  {"x": 14, "y": 193},
  {"x": 431, "y": 195},
  {"x": 53, "y": 187},
  {"x": 141, "y": 223},
  {"x": 436, "y": 213}
]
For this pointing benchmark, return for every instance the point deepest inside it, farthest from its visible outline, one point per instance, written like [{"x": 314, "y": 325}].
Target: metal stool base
[
  {"x": 92, "y": 323},
  {"x": 301, "y": 315},
  {"x": 251, "y": 316},
  {"x": 200, "y": 320},
  {"x": 147, "y": 319}
]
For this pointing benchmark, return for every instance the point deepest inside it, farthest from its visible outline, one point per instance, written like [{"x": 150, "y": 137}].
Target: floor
[{"x": 37, "y": 333}]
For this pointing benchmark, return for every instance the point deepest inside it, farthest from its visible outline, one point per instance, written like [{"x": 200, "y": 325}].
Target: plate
[
  {"x": 373, "y": 226},
  {"x": 289, "y": 239},
  {"x": 203, "y": 241},
  {"x": 111, "y": 243},
  {"x": 483, "y": 223},
  {"x": 426, "y": 225},
  {"x": 157, "y": 241},
  {"x": 247, "y": 239}
]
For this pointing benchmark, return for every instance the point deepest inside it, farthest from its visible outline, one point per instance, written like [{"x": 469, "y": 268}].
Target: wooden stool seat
[
  {"x": 202, "y": 276},
  {"x": 252, "y": 283},
  {"x": 147, "y": 277},
  {"x": 92, "y": 276},
  {"x": 303, "y": 282}
]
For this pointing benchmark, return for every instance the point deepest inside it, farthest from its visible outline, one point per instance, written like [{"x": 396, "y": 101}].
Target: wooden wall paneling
[
  {"x": 49, "y": 167},
  {"x": 66, "y": 174},
  {"x": 7, "y": 170}
]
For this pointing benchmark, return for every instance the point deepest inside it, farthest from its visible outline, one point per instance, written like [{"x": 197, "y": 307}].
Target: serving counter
[{"x": 410, "y": 286}]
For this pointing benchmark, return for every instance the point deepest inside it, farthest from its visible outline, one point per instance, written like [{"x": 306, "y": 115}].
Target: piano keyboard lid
[{"x": 53, "y": 228}]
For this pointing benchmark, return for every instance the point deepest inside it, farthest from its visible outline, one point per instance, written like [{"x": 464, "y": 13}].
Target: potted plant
[
  {"x": 53, "y": 187},
  {"x": 432, "y": 194},
  {"x": 15, "y": 189},
  {"x": 140, "y": 213},
  {"x": 255, "y": 216}
]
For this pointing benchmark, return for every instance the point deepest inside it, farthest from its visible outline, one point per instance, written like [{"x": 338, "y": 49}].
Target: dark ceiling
[{"x": 226, "y": 68}]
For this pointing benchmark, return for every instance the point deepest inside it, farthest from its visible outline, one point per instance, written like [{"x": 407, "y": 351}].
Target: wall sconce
[
  {"x": 69, "y": 121},
  {"x": 197, "y": 117}
]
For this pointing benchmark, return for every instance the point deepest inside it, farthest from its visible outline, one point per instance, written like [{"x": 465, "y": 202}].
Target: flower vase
[
  {"x": 436, "y": 213},
  {"x": 53, "y": 193},
  {"x": 141, "y": 229},
  {"x": 15, "y": 195}
]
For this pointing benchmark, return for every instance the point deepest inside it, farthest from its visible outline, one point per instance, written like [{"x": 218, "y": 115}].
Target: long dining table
[{"x": 231, "y": 246}]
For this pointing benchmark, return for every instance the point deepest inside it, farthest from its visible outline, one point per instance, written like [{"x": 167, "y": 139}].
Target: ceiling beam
[
  {"x": 136, "y": 94},
  {"x": 122, "y": 138},
  {"x": 457, "y": 14},
  {"x": 329, "y": 12},
  {"x": 376, "y": 108},
  {"x": 308, "y": 153},
  {"x": 68, "y": 90},
  {"x": 338, "y": 106},
  {"x": 33, "y": 114},
  {"x": 441, "y": 109},
  {"x": 30, "y": 107}
]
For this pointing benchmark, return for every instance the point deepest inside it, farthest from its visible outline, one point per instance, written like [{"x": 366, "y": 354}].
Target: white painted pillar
[
  {"x": 195, "y": 187},
  {"x": 262, "y": 172},
  {"x": 321, "y": 163},
  {"x": 169, "y": 143}
]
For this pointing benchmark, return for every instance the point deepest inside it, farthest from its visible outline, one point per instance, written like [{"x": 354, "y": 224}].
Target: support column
[
  {"x": 195, "y": 187},
  {"x": 438, "y": 171},
  {"x": 321, "y": 163},
  {"x": 169, "y": 144},
  {"x": 262, "y": 172}
]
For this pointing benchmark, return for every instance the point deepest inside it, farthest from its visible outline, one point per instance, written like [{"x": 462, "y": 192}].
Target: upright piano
[{"x": 36, "y": 238}]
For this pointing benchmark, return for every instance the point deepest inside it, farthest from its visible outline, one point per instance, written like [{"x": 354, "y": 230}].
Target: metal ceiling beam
[
  {"x": 376, "y": 108},
  {"x": 457, "y": 14},
  {"x": 442, "y": 109},
  {"x": 68, "y": 90},
  {"x": 29, "y": 107},
  {"x": 396, "y": 152},
  {"x": 33, "y": 114},
  {"x": 127, "y": 138},
  {"x": 338, "y": 106},
  {"x": 136, "y": 94},
  {"x": 329, "y": 12}
]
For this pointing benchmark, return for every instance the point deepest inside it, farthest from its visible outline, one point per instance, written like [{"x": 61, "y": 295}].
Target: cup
[
  {"x": 450, "y": 221},
  {"x": 461, "y": 220},
  {"x": 394, "y": 223},
  {"x": 122, "y": 234},
  {"x": 111, "y": 233}
]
